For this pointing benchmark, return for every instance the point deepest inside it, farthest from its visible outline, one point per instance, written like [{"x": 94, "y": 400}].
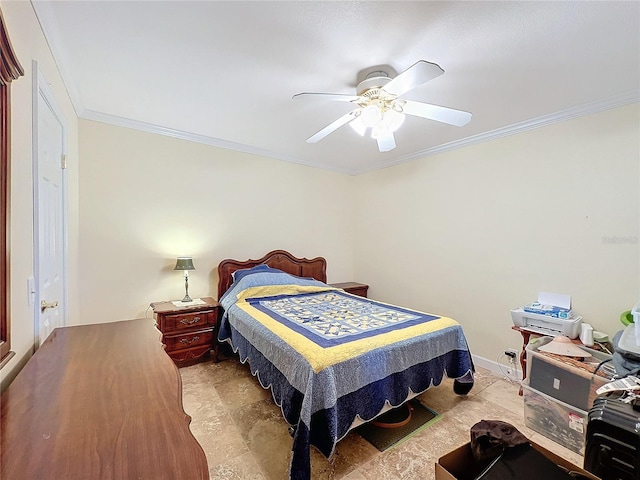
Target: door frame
[{"x": 42, "y": 88}]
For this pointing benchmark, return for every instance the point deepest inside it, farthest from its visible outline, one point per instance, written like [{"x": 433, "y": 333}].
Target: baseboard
[
  {"x": 7, "y": 378},
  {"x": 501, "y": 369}
]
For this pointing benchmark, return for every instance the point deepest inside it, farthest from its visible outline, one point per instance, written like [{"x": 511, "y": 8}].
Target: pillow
[{"x": 239, "y": 274}]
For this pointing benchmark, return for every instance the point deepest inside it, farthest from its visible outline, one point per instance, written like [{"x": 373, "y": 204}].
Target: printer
[
  {"x": 550, "y": 315},
  {"x": 546, "y": 324}
]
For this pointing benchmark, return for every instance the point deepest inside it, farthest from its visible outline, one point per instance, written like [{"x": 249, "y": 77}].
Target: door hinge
[{"x": 63, "y": 162}]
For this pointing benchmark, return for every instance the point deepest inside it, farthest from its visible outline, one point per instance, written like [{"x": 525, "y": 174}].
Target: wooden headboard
[{"x": 280, "y": 259}]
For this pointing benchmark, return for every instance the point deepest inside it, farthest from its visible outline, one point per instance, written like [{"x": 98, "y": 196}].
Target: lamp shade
[{"x": 184, "y": 263}]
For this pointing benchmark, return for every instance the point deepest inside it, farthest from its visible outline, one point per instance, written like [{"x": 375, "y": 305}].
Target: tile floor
[{"x": 244, "y": 435}]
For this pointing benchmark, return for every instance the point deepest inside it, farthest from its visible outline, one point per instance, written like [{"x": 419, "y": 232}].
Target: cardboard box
[
  {"x": 564, "y": 381},
  {"x": 459, "y": 464}
]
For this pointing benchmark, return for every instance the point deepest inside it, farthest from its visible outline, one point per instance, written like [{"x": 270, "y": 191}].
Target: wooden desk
[{"x": 99, "y": 402}]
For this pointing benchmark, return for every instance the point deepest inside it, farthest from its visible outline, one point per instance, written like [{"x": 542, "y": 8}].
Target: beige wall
[
  {"x": 29, "y": 44},
  {"x": 477, "y": 231},
  {"x": 468, "y": 234},
  {"x": 145, "y": 199}
]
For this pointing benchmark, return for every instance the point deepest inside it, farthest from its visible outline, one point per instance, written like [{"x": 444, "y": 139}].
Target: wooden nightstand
[
  {"x": 189, "y": 332},
  {"x": 353, "y": 287}
]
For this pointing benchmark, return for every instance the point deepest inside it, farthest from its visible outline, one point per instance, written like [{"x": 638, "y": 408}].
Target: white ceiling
[{"x": 224, "y": 73}]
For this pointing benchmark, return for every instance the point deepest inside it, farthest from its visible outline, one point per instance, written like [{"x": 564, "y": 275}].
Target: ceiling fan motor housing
[{"x": 372, "y": 83}]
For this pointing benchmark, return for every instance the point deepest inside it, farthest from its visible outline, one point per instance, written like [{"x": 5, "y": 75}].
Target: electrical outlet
[
  {"x": 512, "y": 353},
  {"x": 511, "y": 368}
]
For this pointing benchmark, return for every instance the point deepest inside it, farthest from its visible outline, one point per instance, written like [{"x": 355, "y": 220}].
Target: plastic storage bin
[
  {"x": 563, "y": 381},
  {"x": 562, "y": 423}
]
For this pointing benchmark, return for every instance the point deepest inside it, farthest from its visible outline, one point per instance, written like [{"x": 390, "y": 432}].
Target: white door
[{"x": 49, "y": 217}]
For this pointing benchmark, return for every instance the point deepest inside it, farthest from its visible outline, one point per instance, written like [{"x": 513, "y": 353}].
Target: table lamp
[{"x": 186, "y": 264}]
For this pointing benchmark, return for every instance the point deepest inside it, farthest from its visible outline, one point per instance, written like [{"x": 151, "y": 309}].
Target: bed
[{"x": 332, "y": 360}]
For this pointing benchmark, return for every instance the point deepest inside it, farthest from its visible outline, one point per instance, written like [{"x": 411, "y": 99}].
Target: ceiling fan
[{"x": 380, "y": 108}]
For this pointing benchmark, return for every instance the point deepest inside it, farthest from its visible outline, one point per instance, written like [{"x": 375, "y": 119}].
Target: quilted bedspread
[{"x": 330, "y": 357}]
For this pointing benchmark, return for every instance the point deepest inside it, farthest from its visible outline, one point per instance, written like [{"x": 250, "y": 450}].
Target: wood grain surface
[{"x": 99, "y": 402}]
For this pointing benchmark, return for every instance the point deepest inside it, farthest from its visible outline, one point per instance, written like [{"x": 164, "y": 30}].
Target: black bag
[
  {"x": 626, "y": 362},
  {"x": 490, "y": 437}
]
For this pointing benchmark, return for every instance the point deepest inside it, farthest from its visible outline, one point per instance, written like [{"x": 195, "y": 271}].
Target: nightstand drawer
[
  {"x": 188, "y": 321},
  {"x": 188, "y": 355},
  {"x": 188, "y": 340}
]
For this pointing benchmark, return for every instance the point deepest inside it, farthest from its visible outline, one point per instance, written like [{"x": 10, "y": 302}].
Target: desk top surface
[{"x": 99, "y": 401}]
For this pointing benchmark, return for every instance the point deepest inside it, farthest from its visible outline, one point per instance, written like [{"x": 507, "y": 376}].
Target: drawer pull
[
  {"x": 188, "y": 342},
  {"x": 184, "y": 321}
]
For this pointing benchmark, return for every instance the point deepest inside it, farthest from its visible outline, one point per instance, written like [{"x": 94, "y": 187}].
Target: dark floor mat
[{"x": 386, "y": 437}]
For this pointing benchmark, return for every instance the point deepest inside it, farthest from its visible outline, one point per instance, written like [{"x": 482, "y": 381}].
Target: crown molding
[
  {"x": 609, "y": 103},
  {"x": 197, "y": 138},
  {"x": 543, "y": 121}
]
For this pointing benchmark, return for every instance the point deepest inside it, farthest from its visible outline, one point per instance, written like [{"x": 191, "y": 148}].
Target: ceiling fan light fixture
[
  {"x": 379, "y": 131},
  {"x": 393, "y": 120},
  {"x": 371, "y": 115}
]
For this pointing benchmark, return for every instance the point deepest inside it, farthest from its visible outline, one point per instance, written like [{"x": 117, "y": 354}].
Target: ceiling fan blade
[
  {"x": 338, "y": 97},
  {"x": 417, "y": 74},
  {"x": 435, "y": 112},
  {"x": 333, "y": 126},
  {"x": 386, "y": 141}
]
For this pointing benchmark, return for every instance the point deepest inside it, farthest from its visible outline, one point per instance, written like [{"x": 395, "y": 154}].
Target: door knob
[{"x": 44, "y": 305}]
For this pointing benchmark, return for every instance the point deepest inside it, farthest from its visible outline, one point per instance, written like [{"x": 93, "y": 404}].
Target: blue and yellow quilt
[{"x": 330, "y": 357}]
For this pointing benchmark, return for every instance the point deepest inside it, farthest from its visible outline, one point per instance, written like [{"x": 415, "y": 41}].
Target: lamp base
[{"x": 186, "y": 298}]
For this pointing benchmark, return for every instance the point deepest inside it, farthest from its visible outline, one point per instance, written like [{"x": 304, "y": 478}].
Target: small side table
[
  {"x": 353, "y": 287},
  {"x": 526, "y": 336},
  {"x": 188, "y": 332}
]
